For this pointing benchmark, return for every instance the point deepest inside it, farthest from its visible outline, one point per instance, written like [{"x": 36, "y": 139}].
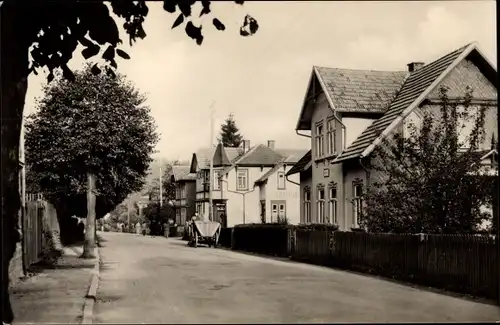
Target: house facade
[
  {"x": 185, "y": 193},
  {"x": 349, "y": 112},
  {"x": 223, "y": 157},
  {"x": 250, "y": 184}
]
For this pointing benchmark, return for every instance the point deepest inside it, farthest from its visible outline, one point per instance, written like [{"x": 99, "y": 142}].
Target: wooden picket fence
[
  {"x": 33, "y": 233},
  {"x": 462, "y": 263}
]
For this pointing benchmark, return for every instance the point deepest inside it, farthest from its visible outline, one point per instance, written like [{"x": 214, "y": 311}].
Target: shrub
[{"x": 270, "y": 239}]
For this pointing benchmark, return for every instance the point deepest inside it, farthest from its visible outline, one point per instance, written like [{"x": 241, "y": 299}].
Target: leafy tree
[
  {"x": 426, "y": 183},
  {"x": 229, "y": 134},
  {"x": 53, "y": 30},
  {"x": 96, "y": 124}
]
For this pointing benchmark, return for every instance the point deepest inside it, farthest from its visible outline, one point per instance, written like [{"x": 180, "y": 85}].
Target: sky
[{"x": 262, "y": 79}]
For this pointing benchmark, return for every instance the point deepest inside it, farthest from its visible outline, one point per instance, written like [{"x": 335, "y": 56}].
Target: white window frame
[
  {"x": 216, "y": 180},
  {"x": 332, "y": 205},
  {"x": 318, "y": 140},
  {"x": 307, "y": 206},
  {"x": 320, "y": 204},
  {"x": 330, "y": 136},
  {"x": 274, "y": 212},
  {"x": 281, "y": 211},
  {"x": 357, "y": 193},
  {"x": 242, "y": 174},
  {"x": 281, "y": 177}
]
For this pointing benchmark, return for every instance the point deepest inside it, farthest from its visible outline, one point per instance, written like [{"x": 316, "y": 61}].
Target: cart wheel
[{"x": 195, "y": 240}]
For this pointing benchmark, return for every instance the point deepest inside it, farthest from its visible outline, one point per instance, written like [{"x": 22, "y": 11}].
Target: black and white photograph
[{"x": 249, "y": 162}]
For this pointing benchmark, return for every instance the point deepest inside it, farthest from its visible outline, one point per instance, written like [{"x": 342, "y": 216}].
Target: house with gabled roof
[
  {"x": 185, "y": 193},
  {"x": 223, "y": 157},
  {"x": 255, "y": 187},
  {"x": 349, "y": 112}
]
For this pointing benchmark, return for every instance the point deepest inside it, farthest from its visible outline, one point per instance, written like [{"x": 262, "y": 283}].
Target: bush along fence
[{"x": 461, "y": 263}]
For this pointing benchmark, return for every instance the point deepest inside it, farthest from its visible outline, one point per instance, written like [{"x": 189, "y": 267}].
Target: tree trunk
[
  {"x": 89, "y": 243},
  {"x": 14, "y": 67}
]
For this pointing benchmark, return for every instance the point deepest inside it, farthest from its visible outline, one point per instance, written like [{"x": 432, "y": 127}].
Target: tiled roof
[
  {"x": 203, "y": 155},
  {"x": 361, "y": 90},
  {"x": 270, "y": 172},
  {"x": 292, "y": 155},
  {"x": 414, "y": 86},
  {"x": 182, "y": 173},
  {"x": 260, "y": 155},
  {"x": 299, "y": 166}
]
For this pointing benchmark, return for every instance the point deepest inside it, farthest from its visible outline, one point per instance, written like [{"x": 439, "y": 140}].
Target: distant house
[
  {"x": 348, "y": 112},
  {"x": 200, "y": 166},
  {"x": 255, "y": 187},
  {"x": 185, "y": 193}
]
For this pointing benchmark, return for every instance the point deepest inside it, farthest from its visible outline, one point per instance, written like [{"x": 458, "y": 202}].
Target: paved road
[{"x": 159, "y": 280}]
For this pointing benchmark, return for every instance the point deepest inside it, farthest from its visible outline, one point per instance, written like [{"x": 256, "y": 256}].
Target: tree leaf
[
  {"x": 194, "y": 32},
  {"x": 50, "y": 77},
  {"x": 206, "y": 8},
  {"x": 123, "y": 54},
  {"x": 67, "y": 73},
  {"x": 218, "y": 24},
  {"x": 90, "y": 51},
  {"x": 169, "y": 6},
  {"x": 178, "y": 21},
  {"x": 109, "y": 54},
  {"x": 95, "y": 70}
]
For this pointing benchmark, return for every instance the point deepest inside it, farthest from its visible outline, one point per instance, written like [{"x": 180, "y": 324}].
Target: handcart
[{"x": 205, "y": 232}]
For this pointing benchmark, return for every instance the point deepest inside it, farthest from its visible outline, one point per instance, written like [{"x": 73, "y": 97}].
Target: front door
[
  {"x": 278, "y": 210},
  {"x": 220, "y": 214}
]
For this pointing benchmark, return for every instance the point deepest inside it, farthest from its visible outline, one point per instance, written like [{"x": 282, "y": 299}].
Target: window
[
  {"x": 178, "y": 215},
  {"x": 321, "y": 205},
  {"x": 216, "y": 181},
  {"x": 319, "y": 140},
  {"x": 198, "y": 207},
  {"x": 307, "y": 206},
  {"x": 242, "y": 180},
  {"x": 274, "y": 212},
  {"x": 330, "y": 135},
  {"x": 206, "y": 177},
  {"x": 281, "y": 212},
  {"x": 358, "y": 202},
  {"x": 281, "y": 181},
  {"x": 332, "y": 204}
]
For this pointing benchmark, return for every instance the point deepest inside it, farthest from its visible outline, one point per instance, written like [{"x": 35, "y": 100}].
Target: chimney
[
  {"x": 414, "y": 66},
  {"x": 246, "y": 145},
  {"x": 270, "y": 144}
]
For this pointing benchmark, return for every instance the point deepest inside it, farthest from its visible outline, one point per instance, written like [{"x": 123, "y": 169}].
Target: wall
[
  {"x": 352, "y": 172},
  {"x": 322, "y": 113},
  {"x": 468, "y": 74},
  {"x": 291, "y": 194},
  {"x": 234, "y": 204},
  {"x": 191, "y": 198},
  {"x": 354, "y": 127}
]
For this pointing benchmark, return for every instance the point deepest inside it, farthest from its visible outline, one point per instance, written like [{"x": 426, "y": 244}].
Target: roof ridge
[{"x": 364, "y": 70}]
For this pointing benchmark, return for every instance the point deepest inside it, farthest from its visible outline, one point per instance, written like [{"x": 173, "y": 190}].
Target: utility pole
[
  {"x": 161, "y": 191},
  {"x": 211, "y": 170},
  {"x": 128, "y": 210}
]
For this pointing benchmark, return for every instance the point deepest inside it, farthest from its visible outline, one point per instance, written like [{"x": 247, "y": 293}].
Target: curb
[{"x": 90, "y": 298}]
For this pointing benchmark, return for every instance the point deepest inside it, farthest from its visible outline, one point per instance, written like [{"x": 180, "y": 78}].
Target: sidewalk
[{"x": 56, "y": 294}]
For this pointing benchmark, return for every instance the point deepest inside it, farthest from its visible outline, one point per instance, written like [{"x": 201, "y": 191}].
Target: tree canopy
[
  {"x": 56, "y": 28},
  {"x": 229, "y": 134},
  {"x": 429, "y": 179},
  {"x": 96, "y": 124}
]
